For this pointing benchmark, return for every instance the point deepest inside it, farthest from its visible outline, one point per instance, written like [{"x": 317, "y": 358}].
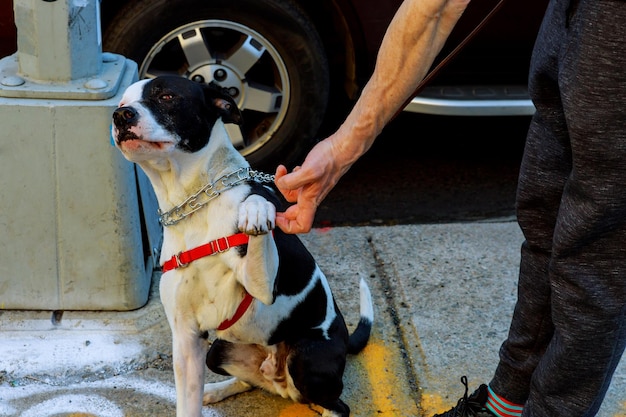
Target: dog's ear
[{"x": 224, "y": 103}]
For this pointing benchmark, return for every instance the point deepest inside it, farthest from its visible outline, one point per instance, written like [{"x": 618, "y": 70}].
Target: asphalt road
[{"x": 432, "y": 169}]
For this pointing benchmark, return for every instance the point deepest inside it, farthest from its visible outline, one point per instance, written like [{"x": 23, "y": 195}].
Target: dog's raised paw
[{"x": 257, "y": 216}]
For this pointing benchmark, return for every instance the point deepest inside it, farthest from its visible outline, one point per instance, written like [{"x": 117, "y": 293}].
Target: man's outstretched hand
[
  {"x": 299, "y": 217},
  {"x": 306, "y": 186}
]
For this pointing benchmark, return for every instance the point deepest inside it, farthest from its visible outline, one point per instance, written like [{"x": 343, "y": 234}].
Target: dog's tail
[{"x": 360, "y": 336}]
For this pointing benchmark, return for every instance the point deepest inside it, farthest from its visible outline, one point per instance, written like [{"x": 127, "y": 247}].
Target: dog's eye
[{"x": 166, "y": 97}]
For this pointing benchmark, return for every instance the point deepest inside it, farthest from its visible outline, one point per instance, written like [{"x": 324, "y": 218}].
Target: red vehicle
[{"x": 295, "y": 66}]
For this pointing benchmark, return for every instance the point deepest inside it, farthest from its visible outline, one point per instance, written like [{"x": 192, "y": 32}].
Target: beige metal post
[{"x": 70, "y": 223}]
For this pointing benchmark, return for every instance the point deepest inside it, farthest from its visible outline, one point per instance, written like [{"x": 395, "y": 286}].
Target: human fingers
[
  {"x": 297, "y": 178},
  {"x": 290, "y": 194},
  {"x": 281, "y": 170},
  {"x": 296, "y": 219}
]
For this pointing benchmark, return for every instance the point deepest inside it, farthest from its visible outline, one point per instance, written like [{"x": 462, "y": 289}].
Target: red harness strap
[
  {"x": 222, "y": 244},
  {"x": 241, "y": 310},
  {"x": 182, "y": 259}
]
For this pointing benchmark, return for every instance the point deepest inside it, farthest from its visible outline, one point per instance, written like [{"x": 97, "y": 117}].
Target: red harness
[{"x": 182, "y": 259}]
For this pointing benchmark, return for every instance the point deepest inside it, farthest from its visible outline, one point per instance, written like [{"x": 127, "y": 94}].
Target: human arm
[{"x": 413, "y": 39}]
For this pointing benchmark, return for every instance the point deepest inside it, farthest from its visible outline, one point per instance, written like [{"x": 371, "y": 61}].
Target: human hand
[{"x": 307, "y": 186}]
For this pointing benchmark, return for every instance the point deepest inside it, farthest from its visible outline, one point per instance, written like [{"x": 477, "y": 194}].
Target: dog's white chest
[{"x": 194, "y": 301}]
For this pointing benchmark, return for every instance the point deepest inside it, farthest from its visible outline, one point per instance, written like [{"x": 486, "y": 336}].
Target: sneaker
[{"x": 472, "y": 406}]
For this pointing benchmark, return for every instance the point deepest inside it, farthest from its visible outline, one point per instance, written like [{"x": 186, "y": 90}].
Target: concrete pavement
[{"x": 443, "y": 295}]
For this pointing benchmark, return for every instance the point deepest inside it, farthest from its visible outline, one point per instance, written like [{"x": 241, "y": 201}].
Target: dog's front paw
[{"x": 257, "y": 216}]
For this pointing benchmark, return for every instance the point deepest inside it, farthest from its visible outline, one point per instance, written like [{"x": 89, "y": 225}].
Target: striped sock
[{"x": 501, "y": 407}]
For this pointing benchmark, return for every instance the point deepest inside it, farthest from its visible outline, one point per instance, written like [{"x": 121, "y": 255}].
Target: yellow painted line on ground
[
  {"x": 384, "y": 384},
  {"x": 433, "y": 404}
]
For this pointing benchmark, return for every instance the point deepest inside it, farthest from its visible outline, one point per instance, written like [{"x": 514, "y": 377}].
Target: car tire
[{"x": 266, "y": 52}]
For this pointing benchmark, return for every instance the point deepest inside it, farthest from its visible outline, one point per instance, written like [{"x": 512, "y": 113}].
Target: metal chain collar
[{"x": 209, "y": 192}]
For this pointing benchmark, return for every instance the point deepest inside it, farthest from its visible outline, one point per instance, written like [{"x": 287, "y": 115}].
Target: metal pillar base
[
  {"x": 102, "y": 86},
  {"x": 71, "y": 228}
]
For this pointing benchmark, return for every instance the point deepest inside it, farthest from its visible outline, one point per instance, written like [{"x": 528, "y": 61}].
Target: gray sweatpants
[{"x": 568, "y": 330}]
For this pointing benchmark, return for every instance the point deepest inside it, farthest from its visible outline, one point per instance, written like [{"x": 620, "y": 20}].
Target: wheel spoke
[
  {"x": 262, "y": 98},
  {"x": 194, "y": 48},
  {"x": 248, "y": 53}
]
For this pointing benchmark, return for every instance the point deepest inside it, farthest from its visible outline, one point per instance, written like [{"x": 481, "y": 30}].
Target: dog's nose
[{"x": 124, "y": 116}]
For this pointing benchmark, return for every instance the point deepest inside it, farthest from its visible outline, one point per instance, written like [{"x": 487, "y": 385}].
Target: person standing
[{"x": 568, "y": 330}]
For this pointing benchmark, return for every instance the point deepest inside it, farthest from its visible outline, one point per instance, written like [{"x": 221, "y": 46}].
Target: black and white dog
[{"x": 224, "y": 267}]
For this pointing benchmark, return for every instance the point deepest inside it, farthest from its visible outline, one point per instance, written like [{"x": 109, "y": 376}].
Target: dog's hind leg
[
  {"x": 217, "y": 391},
  {"x": 242, "y": 361},
  {"x": 221, "y": 360},
  {"x": 252, "y": 366}
]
